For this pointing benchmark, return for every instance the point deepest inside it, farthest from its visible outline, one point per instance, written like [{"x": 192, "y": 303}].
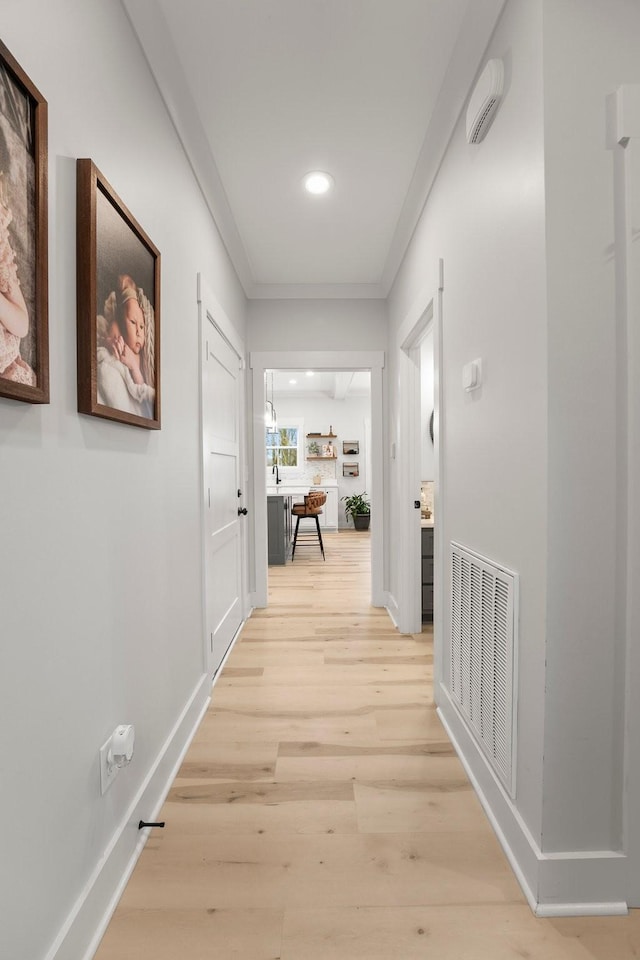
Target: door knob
[{"x": 243, "y": 511}]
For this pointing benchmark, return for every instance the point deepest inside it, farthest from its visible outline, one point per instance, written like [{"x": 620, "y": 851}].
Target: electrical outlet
[{"x": 108, "y": 771}]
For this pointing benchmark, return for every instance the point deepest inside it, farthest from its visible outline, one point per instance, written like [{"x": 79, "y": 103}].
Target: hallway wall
[
  {"x": 524, "y": 225},
  {"x": 585, "y": 732},
  {"x": 101, "y": 560},
  {"x": 485, "y": 219}
]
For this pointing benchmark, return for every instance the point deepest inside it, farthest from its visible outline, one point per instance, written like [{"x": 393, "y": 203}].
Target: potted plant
[{"x": 359, "y": 509}]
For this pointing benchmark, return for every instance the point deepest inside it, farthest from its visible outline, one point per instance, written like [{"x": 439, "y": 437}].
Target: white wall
[
  {"x": 485, "y": 219},
  {"x": 101, "y": 582},
  {"x": 316, "y": 325},
  {"x": 347, "y": 417},
  {"x": 585, "y": 687},
  {"x": 524, "y": 224}
]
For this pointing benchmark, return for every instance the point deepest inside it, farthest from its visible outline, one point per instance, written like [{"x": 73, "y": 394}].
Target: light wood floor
[{"x": 321, "y": 813}]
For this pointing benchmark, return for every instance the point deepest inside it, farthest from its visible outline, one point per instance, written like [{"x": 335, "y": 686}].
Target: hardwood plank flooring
[{"x": 321, "y": 811}]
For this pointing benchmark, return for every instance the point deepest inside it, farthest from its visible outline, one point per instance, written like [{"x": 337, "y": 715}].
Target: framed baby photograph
[
  {"x": 118, "y": 295},
  {"x": 24, "y": 337}
]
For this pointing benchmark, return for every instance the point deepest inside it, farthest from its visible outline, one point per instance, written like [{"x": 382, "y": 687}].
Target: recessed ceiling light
[
  {"x": 293, "y": 381},
  {"x": 318, "y": 182},
  {"x": 309, "y": 373}
]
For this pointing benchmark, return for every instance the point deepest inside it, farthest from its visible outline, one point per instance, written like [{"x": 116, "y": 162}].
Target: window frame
[{"x": 287, "y": 423}]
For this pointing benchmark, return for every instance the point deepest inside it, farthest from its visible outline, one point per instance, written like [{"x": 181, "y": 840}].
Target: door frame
[
  {"x": 372, "y": 361},
  {"x": 211, "y": 311},
  {"x": 425, "y": 314},
  {"x": 624, "y": 132}
]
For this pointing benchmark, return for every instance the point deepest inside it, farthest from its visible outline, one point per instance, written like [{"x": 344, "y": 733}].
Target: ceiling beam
[{"x": 341, "y": 384}]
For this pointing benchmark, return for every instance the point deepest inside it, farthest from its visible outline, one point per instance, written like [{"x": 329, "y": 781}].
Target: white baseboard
[
  {"x": 88, "y": 919},
  {"x": 253, "y": 601},
  {"x": 581, "y": 910},
  {"x": 391, "y": 606},
  {"x": 560, "y": 884}
]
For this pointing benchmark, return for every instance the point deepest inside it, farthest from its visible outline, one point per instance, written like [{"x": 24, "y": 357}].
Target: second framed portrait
[{"x": 118, "y": 277}]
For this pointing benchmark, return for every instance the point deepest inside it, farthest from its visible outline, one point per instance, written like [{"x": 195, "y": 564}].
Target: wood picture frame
[
  {"x": 118, "y": 305},
  {"x": 24, "y": 323}
]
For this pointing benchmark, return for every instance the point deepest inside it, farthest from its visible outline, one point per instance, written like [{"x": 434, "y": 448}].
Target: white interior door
[{"x": 223, "y": 532}]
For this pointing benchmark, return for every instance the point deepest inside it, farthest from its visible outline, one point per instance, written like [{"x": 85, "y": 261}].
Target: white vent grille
[
  {"x": 483, "y": 655},
  {"x": 477, "y": 132}
]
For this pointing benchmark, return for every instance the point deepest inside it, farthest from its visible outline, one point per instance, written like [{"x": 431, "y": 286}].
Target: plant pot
[{"x": 361, "y": 521}]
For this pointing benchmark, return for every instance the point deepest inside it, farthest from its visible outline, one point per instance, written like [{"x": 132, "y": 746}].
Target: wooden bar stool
[{"x": 311, "y": 509}]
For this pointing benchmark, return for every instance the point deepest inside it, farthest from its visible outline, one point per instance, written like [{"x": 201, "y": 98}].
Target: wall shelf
[{"x": 315, "y": 444}]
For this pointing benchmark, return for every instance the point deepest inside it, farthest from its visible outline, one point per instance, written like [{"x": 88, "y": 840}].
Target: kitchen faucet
[{"x": 275, "y": 470}]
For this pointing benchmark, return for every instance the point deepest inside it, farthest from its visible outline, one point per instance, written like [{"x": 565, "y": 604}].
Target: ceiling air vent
[{"x": 484, "y": 101}]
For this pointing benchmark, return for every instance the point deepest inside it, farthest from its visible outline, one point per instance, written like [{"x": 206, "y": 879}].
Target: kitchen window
[{"x": 284, "y": 447}]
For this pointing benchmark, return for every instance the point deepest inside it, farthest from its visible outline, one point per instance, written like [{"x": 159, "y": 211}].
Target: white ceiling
[
  {"x": 323, "y": 384},
  {"x": 262, "y": 91}
]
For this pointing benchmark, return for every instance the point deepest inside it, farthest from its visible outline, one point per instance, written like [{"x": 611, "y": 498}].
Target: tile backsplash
[
  {"x": 426, "y": 497},
  {"x": 326, "y": 471}
]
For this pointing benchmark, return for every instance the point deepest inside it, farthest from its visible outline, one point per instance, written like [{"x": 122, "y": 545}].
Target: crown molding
[
  {"x": 468, "y": 54},
  {"x": 154, "y": 36},
  {"x": 315, "y": 291}
]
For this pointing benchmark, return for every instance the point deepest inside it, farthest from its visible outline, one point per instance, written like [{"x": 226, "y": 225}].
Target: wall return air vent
[
  {"x": 483, "y": 655},
  {"x": 484, "y": 101}
]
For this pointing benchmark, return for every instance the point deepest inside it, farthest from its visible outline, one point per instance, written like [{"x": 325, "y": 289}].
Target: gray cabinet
[
  {"x": 427, "y": 574},
  {"x": 279, "y": 529}
]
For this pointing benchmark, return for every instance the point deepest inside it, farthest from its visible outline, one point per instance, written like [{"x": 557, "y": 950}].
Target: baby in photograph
[
  {"x": 14, "y": 316},
  {"x": 125, "y": 347}
]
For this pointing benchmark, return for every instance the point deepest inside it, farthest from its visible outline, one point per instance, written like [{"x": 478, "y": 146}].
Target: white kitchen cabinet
[{"x": 329, "y": 517}]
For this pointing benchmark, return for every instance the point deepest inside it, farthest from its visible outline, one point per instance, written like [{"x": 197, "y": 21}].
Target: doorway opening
[
  {"x": 421, "y": 415},
  {"x": 427, "y": 475},
  {"x": 341, "y": 369},
  {"x": 318, "y": 437}
]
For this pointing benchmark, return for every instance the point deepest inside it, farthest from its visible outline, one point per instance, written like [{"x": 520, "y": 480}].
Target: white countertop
[
  {"x": 325, "y": 482},
  {"x": 283, "y": 491},
  {"x": 426, "y": 523},
  {"x": 299, "y": 487}
]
